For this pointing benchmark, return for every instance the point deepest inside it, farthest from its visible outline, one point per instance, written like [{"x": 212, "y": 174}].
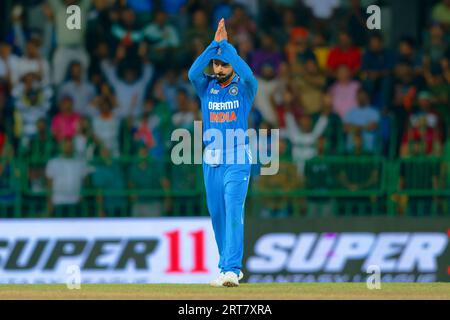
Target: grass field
[{"x": 244, "y": 291}]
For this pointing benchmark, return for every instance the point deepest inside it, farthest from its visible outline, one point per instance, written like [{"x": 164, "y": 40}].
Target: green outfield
[{"x": 245, "y": 291}]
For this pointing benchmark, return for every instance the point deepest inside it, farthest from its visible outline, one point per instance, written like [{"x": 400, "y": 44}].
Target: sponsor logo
[
  {"x": 214, "y": 91},
  {"x": 227, "y": 105},
  {"x": 153, "y": 250},
  {"x": 330, "y": 256}
]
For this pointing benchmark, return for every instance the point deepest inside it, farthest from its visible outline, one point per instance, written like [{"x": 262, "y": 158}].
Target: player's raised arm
[
  {"x": 239, "y": 65},
  {"x": 196, "y": 74}
]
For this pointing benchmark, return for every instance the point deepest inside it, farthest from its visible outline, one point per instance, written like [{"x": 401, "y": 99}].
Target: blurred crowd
[{"x": 114, "y": 91}]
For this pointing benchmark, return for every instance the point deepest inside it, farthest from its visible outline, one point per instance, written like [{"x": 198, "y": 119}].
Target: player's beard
[{"x": 223, "y": 79}]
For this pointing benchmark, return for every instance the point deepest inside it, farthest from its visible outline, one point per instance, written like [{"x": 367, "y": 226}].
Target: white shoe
[
  {"x": 230, "y": 279},
  {"x": 219, "y": 281}
]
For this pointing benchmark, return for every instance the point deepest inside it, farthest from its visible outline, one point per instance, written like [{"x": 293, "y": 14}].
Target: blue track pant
[{"x": 226, "y": 188}]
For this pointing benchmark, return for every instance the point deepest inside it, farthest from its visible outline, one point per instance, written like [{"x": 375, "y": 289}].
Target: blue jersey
[{"x": 224, "y": 107}]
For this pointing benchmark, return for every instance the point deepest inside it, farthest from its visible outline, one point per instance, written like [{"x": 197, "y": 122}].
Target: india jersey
[{"x": 224, "y": 108}]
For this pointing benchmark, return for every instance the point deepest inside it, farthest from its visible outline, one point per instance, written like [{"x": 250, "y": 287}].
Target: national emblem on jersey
[{"x": 233, "y": 90}]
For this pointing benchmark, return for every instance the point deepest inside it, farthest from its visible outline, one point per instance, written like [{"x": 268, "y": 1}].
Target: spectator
[
  {"x": 8, "y": 64},
  {"x": 148, "y": 177},
  {"x": 298, "y": 49},
  {"x": 333, "y": 131},
  {"x": 267, "y": 84},
  {"x": 268, "y": 53},
  {"x": 184, "y": 83},
  {"x": 152, "y": 129},
  {"x": 321, "y": 49},
  {"x": 440, "y": 94},
  {"x": 375, "y": 71},
  {"x": 109, "y": 181},
  {"x": 344, "y": 91},
  {"x": 127, "y": 34},
  {"x": 408, "y": 52},
  {"x": 79, "y": 89},
  {"x": 362, "y": 118},
  {"x": 31, "y": 103},
  {"x": 435, "y": 46},
  {"x": 106, "y": 127},
  {"x": 345, "y": 53},
  {"x": 99, "y": 24},
  {"x": 32, "y": 62},
  {"x": 290, "y": 102},
  {"x": 310, "y": 82},
  {"x": 100, "y": 53},
  {"x": 65, "y": 122},
  {"x": 84, "y": 141},
  {"x": 70, "y": 43},
  {"x": 185, "y": 116},
  {"x": 198, "y": 30},
  {"x": 42, "y": 38},
  {"x": 304, "y": 138},
  {"x": 164, "y": 39},
  {"x": 356, "y": 22},
  {"x": 404, "y": 90},
  {"x": 128, "y": 86},
  {"x": 423, "y": 128},
  {"x": 42, "y": 146},
  {"x": 166, "y": 87},
  {"x": 65, "y": 175},
  {"x": 281, "y": 32},
  {"x": 322, "y": 11},
  {"x": 240, "y": 25}
]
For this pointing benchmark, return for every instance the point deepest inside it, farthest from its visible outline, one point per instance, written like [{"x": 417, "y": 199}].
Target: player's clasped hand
[{"x": 221, "y": 32}]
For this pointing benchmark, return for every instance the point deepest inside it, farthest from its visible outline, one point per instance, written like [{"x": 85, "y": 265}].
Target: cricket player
[{"x": 226, "y": 99}]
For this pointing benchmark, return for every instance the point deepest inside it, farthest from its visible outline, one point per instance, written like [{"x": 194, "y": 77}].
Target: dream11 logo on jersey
[{"x": 326, "y": 257}]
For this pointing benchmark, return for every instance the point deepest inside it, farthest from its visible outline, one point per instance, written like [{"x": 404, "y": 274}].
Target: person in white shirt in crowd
[
  {"x": 268, "y": 83},
  {"x": 32, "y": 62},
  {"x": 106, "y": 126},
  {"x": 65, "y": 176},
  {"x": 128, "y": 86},
  {"x": 323, "y": 9},
  {"x": 80, "y": 89},
  {"x": 31, "y": 103},
  {"x": 8, "y": 62},
  {"x": 69, "y": 42},
  {"x": 303, "y": 137}
]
